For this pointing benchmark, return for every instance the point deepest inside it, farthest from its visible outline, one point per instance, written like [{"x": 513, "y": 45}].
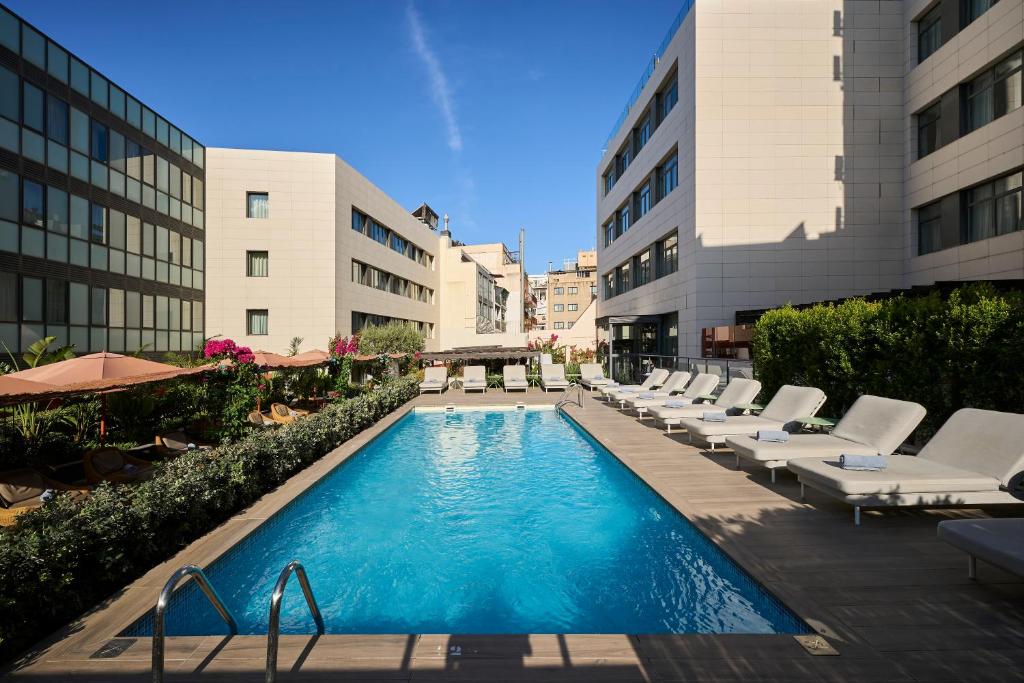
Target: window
[
  {"x": 32, "y": 107},
  {"x": 644, "y": 200},
  {"x": 623, "y": 221},
  {"x": 33, "y": 211},
  {"x": 257, "y": 264},
  {"x": 378, "y": 232},
  {"x": 929, "y": 33},
  {"x": 609, "y": 285},
  {"x": 972, "y": 9},
  {"x": 256, "y": 322},
  {"x": 559, "y": 325},
  {"x": 57, "y": 210},
  {"x": 574, "y": 290},
  {"x": 643, "y": 268},
  {"x": 668, "y": 176},
  {"x": 57, "y": 120},
  {"x": 257, "y": 205},
  {"x": 56, "y": 302},
  {"x": 928, "y": 130},
  {"x": 994, "y": 93},
  {"x": 994, "y": 208},
  {"x": 643, "y": 133},
  {"x": 559, "y": 290},
  {"x": 593, "y": 290},
  {"x": 609, "y": 181},
  {"x": 98, "y": 224},
  {"x": 574, "y": 307},
  {"x": 609, "y": 232},
  {"x": 10, "y": 98},
  {"x": 668, "y": 255},
  {"x": 559, "y": 308},
  {"x": 398, "y": 244},
  {"x": 99, "y": 306},
  {"x": 669, "y": 98},
  {"x": 31, "y": 299},
  {"x": 623, "y": 278},
  {"x": 623, "y": 161},
  {"x": 929, "y": 223},
  {"x": 99, "y": 142}
]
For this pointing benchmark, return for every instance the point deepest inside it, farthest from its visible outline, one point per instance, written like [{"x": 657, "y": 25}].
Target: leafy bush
[
  {"x": 942, "y": 353},
  {"x": 395, "y": 337},
  {"x": 66, "y": 556}
]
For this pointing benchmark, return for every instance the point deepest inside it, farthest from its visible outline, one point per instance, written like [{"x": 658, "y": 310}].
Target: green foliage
[
  {"x": 82, "y": 418},
  {"x": 66, "y": 556},
  {"x": 395, "y": 337},
  {"x": 39, "y": 353},
  {"x": 943, "y": 354}
]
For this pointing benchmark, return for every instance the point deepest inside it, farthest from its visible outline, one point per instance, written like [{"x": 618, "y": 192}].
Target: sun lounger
[
  {"x": 997, "y": 541},
  {"x": 654, "y": 380},
  {"x": 515, "y": 378},
  {"x": 789, "y": 403},
  {"x": 114, "y": 465},
  {"x": 702, "y": 385},
  {"x": 474, "y": 378},
  {"x": 872, "y": 426},
  {"x": 675, "y": 384},
  {"x": 21, "y": 490},
  {"x": 260, "y": 420},
  {"x": 592, "y": 376},
  {"x": 282, "y": 414},
  {"x": 434, "y": 379},
  {"x": 553, "y": 377},
  {"x": 976, "y": 458},
  {"x": 737, "y": 392},
  {"x": 178, "y": 442}
]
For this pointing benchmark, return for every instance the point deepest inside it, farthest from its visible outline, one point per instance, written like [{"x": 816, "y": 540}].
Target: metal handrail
[
  {"x": 161, "y": 606},
  {"x": 566, "y": 398},
  {"x": 274, "y": 629}
]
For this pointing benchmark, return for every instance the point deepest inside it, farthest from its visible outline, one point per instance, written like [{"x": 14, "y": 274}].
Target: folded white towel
[
  {"x": 714, "y": 417},
  {"x": 646, "y": 394},
  {"x": 777, "y": 436},
  {"x": 676, "y": 403},
  {"x": 595, "y": 378},
  {"x": 862, "y": 463}
]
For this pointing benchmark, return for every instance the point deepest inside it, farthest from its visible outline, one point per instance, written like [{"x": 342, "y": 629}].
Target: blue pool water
[{"x": 484, "y": 522}]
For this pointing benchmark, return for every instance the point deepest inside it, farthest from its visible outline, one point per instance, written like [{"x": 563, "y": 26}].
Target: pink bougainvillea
[
  {"x": 345, "y": 346},
  {"x": 228, "y": 349}
]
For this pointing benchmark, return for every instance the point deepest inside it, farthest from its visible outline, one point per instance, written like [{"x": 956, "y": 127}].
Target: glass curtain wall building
[{"x": 101, "y": 208}]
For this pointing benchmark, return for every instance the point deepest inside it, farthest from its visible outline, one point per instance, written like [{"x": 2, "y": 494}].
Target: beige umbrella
[{"x": 100, "y": 372}]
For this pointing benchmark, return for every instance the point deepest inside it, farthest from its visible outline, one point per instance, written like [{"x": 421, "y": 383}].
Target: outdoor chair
[
  {"x": 178, "y": 442},
  {"x": 676, "y": 383},
  {"x": 434, "y": 379},
  {"x": 615, "y": 392},
  {"x": 999, "y": 542},
  {"x": 474, "y": 378},
  {"x": 21, "y": 490},
  {"x": 260, "y": 420},
  {"x": 114, "y": 465},
  {"x": 702, "y": 385},
  {"x": 553, "y": 377},
  {"x": 872, "y": 426},
  {"x": 737, "y": 392},
  {"x": 789, "y": 403},
  {"x": 592, "y": 376},
  {"x": 281, "y": 413},
  {"x": 976, "y": 458},
  {"x": 515, "y": 378}
]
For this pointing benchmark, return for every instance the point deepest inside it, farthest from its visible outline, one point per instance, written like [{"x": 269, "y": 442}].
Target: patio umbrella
[
  {"x": 15, "y": 390},
  {"x": 268, "y": 359},
  {"x": 100, "y": 372}
]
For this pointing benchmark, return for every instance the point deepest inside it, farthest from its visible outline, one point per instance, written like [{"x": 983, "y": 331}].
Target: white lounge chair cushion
[
  {"x": 474, "y": 383},
  {"x": 998, "y": 541},
  {"x": 791, "y": 402},
  {"x": 903, "y": 475},
  {"x": 985, "y": 441},
  {"x": 702, "y": 385},
  {"x": 734, "y": 424},
  {"x": 737, "y": 391},
  {"x": 798, "y": 446},
  {"x": 883, "y": 423}
]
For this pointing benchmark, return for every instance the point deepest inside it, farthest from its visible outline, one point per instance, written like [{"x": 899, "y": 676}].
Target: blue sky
[{"x": 494, "y": 112}]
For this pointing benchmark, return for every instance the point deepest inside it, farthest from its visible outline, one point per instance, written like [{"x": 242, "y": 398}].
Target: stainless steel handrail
[
  {"x": 161, "y": 607},
  {"x": 274, "y": 630},
  {"x": 566, "y": 399}
]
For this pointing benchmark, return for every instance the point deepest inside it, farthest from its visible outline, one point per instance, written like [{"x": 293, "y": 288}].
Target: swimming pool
[{"x": 483, "y": 522}]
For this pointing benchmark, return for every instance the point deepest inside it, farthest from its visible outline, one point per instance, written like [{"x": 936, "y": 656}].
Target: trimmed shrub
[
  {"x": 65, "y": 557},
  {"x": 945, "y": 354}
]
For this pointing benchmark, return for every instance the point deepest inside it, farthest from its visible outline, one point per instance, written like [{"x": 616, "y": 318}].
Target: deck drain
[
  {"x": 449, "y": 408},
  {"x": 816, "y": 645},
  {"x": 113, "y": 648},
  {"x": 520, "y": 405}
]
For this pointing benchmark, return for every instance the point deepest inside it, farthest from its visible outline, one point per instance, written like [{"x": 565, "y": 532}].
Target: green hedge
[
  {"x": 945, "y": 354},
  {"x": 66, "y": 557}
]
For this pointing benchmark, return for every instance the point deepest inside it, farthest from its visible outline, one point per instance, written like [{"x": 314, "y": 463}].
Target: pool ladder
[
  {"x": 273, "y": 630},
  {"x": 571, "y": 394}
]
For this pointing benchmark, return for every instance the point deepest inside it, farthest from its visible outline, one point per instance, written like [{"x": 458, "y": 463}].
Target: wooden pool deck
[{"x": 893, "y": 601}]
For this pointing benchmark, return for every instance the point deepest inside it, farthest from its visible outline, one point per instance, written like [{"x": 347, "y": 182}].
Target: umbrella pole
[{"x": 103, "y": 418}]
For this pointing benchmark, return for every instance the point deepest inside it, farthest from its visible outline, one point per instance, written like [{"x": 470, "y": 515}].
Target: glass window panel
[
  {"x": 33, "y": 211},
  {"x": 174, "y": 311},
  {"x": 56, "y": 210},
  {"x": 115, "y": 303},
  {"x": 162, "y": 203},
  {"x": 33, "y": 146},
  {"x": 10, "y": 94},
  {"x": 33, "y": 46},
  {"x": 161, "y": 312},
  {"x": 117, "y": 183},
  {"x": 134, "y": 112},
  {"x": 8, "y": 236},
  {"x": 57, "y": 120},
  {"x": 9, "y": 203},
  {"x": 186, "y": 315},
  {"x": 162, "y": 132},
  {"x": 186, "y": 252},
  {"x": 258, "y": 204},
  {"x": 32, "y": 107},
  {"x": 198, "y": 200},
  {"x": 117, "y": 261},
  {"x": 186, "y": 147},
  {"x": 98, "y": 224},
  {"x": 198, "y": 155},
  {"x": 9, "y": 135},
  {"x": 162, "y": 243},
  {"x": 79, "y": 76},
  {"x": 79, "y": 253},
  {"x": 257, "y": 264},
  {"x": 148, "y": 239},
  {"x": 57, "y": 156},
  {"x": 132, "y": 309},
  {"x": 148, "y": 164},
  {"x": 99, "y": 174},
  {"x": 148, "y": 269},
  {"x": 197, "y": 316},
  {"x": 133, "y": 265},
  {"x": 56, "y": 301},
  {"x": 57, "y": 248},
  {"x": 99, "y": 306},
  {"x": 8, "y": 296},
  {"x": 175, "y": 140},
  {"x": 117, "y": 151},
  {"x": 175, "y": 181},
  {"x": 134, "y": 236},
  {"x": 57, "y": 62},
  {"x": 162, "y": 174},
  {"x": 79, "y": 217},
  {"x": 117, "y": 229},
  {"x": 10, "y": 27},
  {"x": 33, "y": 242},
  {"x": 147, "y": 311},
  {"x": 186, "y": 187},
  {"x": 99, "y": 91},
  {"x": 148, "y": 122},
  {"x": 32, "y": 299},
  {"x": 197, "y": 254},
  {"x": 79, "y": 166},
  {"x": 98, "y": 257},
  {"x": 133, "y": 190},
  {"x": 117, "y": 101},
  {"x": 79, "y": 131},
  {"x": 100, "y": 150},
  {"x": 133, "y": 159},
  {"x": 256, "y": 322}
]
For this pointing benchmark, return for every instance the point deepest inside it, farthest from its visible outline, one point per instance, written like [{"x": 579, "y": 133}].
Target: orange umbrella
[
  {"x": 314, "y": 355},
  {"x": 14, "y": 388},
  {"x": 99, "y": 372},
  {"x": 269, "y": 359}
]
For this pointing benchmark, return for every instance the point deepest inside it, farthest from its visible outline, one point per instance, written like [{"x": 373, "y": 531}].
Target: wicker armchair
[
  {"x": 114, "y": 465},
  {"x": 20, "y": 491}
]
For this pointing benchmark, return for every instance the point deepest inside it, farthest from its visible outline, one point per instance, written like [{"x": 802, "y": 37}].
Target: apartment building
[
  {"x": 571, "y": 290},
  {"x": 539, "y": 290},
  {"x": 807, "y": 151},
  {"x": 102, "y": 207}
]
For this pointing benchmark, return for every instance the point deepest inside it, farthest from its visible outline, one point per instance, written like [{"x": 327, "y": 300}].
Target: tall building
[
  {"x": 301, "y": 245},
  {"x": 102, "y": 226},
  {"x": 539, "y": 290},
  {"x": 798, "y": 152},
  {"x": 571, "y": 290}
]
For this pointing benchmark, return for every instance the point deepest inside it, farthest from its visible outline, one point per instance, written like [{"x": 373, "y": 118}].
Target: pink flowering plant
[{"x": 238, "y": 388}]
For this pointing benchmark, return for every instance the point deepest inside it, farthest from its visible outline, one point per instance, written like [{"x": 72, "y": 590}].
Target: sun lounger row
[{"x": 474, "y": 378}]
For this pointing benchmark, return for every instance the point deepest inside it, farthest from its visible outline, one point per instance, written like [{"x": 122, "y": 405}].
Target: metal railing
[
  {"x": 567, "y": 396},
  {"x": 631, "y": 368},
  {"x": 274, "y": 628},
  {"x": 161, "y": 607}
]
